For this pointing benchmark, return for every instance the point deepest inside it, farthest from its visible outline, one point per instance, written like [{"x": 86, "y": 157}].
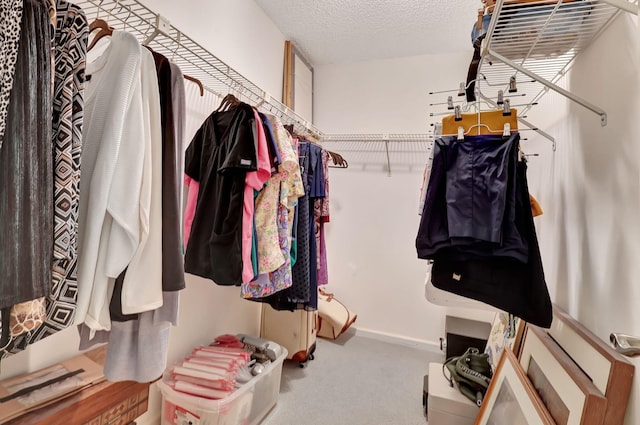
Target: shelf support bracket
[
  {"x": 386, "y": 148},
  {"x": 552, "y": 86},
  {"x": 624, "y": 5}
]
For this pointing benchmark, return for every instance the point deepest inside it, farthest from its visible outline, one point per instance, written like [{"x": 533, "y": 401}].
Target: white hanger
[{"x": 506, "y": 130}]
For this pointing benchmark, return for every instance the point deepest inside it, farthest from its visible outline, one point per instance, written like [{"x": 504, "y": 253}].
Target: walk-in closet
[{"x": 309, "y": 212}]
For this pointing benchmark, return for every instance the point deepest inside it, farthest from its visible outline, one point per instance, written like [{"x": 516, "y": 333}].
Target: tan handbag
[{"x": 333, "y": 316}]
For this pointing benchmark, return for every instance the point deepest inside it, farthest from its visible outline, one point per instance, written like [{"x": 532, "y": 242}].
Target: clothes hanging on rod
[
  {"x": 70, "y": 45},
  {"x": 10, "y": 19},
  {"x": 127, "y": 219},
  {"x": 321, "y": 215},
  {"x": 279, "y": 258},
  {"x": 138, "y": 342},
  {"x": 254, "y": 182},
  {"x": 275, "y": 209},
  {"x": 303, "y": 292},
  {"x": 172, "y": 103},
  {"x": 219, "y": 157},
  {"x": 117, "y": 191},
  {"x": 26, "y": 164},
  {"x": 129, "y": 210},
  {"x": 172, "y": 109}
]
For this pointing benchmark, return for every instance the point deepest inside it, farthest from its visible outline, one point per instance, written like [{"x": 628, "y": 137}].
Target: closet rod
[
  {"x": 217, "y": 77},
  {"x": 376, "y": 137},
  {"x": 386, "y": 152}
]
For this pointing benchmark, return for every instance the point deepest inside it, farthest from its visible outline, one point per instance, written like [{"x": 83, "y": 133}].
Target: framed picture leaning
[
  {"x": 511, "y": 399},
  {"x": 567, "y": 392}
]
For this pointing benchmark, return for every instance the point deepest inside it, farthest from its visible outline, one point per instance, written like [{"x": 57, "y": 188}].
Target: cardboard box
[{"x": 31, "y": 391}]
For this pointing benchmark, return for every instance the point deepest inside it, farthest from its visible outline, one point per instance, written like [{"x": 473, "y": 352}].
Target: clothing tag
[
  {"x": 457, "y": 277},
  {"x": 245, "y": 162}
]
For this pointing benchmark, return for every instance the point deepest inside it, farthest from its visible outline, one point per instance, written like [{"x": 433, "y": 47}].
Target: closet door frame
[{"x": 297, "y": 90}]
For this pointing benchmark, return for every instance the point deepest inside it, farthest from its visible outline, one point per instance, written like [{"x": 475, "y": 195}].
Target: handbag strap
[
  {"x": 444, "y": 367},
  {"x": 326, "y": 294}
]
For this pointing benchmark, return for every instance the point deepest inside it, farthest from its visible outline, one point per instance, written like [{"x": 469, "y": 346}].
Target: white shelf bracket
[
  {"x": 552, "y": 86},
  {"x": 385, "y": 137},
  {"x": 631, "y": 7}
]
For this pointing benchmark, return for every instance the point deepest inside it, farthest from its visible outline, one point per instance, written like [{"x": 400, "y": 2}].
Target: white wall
[
  {"x": 589, "y": 190},
  {"x": 239, "y": 33},
  {"x": 373, "y": 266}
]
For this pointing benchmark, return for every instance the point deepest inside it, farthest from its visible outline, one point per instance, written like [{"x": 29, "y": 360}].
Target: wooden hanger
[
  {"x": 185, "y": 76},
  {"x": 492, "y": 122},
  {"x": 338, "y": 160},
  {"x": 195, "y": 80},
  {"x": 228, "y": 102},
  {"x": 105, "y": 30}
]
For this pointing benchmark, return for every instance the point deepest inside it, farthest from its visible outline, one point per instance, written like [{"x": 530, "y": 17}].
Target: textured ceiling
[{"x": 336, "y": 31}]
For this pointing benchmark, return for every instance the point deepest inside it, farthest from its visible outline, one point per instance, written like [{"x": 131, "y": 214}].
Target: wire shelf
[
  {"x": 403, "y": 151},
  {"x": 540, "y": 39},
  {"x": 193, "y": 59},
  {"x": 382, "y": 152}
]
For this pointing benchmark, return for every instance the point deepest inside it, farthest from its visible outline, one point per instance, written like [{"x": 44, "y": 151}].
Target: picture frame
[
  {"x": 510, "y": 398},
  {"x": 567, "y": 392},
  {"x": 609, "y": 370},
  {"x": 506, "y": 332},
  {"x": 297, "y": 90}
]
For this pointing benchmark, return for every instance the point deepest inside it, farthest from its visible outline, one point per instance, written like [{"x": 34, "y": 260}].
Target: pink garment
[
  {"x": 254, "y": 180},
  {"x": 323, "y": 272},
  {"x": 190, "y": 210},
  {"x": 321, "y": 216}
]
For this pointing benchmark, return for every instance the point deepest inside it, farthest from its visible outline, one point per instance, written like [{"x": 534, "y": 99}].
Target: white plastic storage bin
[{"x": 247, "y": 405}]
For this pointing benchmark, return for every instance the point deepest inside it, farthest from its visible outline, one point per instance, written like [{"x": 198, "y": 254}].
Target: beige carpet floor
[{"x": 354, "y": 381}]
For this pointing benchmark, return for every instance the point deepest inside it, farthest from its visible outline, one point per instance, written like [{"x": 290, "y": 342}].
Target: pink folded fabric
[
  {"x": 201, "y": 374},
  {"x": 218, "y": 384},
  {"x": 197, "y": 390},
  {"x": 231, "y": 365},
  {"x": 216, "y": 370},
  {"x": 217, "y": 352},
  {"x": 216, "y": 355}
]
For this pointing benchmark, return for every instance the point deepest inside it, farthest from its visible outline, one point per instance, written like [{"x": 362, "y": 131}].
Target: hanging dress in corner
[
  {"x": 10, "y": 19},
  {"x": 70, "y": 45},
  {"x": 70, "y": 49},
  {"x": 26, "y": 167}
]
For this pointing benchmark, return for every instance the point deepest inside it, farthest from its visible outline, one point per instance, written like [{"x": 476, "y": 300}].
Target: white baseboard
[{"x": 420, "y": 344}]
